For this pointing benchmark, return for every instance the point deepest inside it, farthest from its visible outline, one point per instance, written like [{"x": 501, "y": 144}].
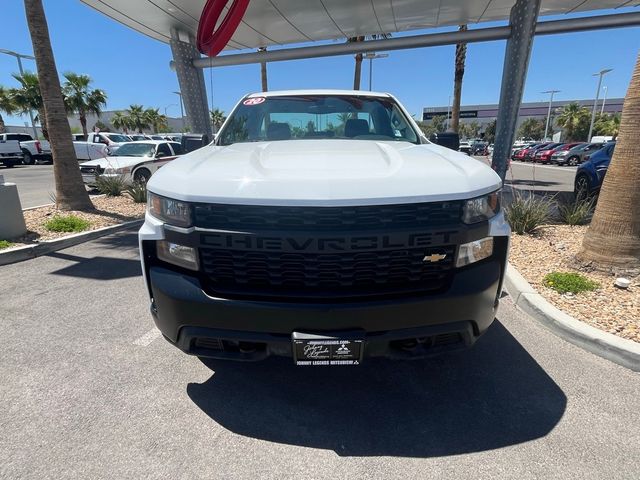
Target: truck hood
[
  {"x": 324, "y": 172},
  {"x": 115, "y": 162}
]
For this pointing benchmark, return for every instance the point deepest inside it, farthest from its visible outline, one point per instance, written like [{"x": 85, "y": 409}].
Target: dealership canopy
[{"x": 323, "y": 26}]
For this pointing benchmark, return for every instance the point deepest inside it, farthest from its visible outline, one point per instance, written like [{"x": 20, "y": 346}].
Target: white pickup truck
[
  {"x": 323, "y": 226},
  {"x": 33, "y": 150},
  {"x": 10, "y": 153},
  {"x": 98, "y": 144}
]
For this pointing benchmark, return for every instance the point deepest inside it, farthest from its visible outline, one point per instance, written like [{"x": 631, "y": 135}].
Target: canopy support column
[
  {"x": 522, "y": 21},
  {"x": 191, "y": 80}
]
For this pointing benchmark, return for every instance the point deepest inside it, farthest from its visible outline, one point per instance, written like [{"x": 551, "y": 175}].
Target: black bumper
[{"x": 416, "y": 326}]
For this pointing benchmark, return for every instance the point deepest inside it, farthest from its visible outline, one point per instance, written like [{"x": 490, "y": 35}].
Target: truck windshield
[
  {"x": 356, "y": 117},
  {"x": 136, "y": 150},
  {"x": 118, "y": 138}
]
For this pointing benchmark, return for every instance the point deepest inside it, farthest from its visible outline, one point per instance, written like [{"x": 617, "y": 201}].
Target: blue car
[{"x": 590, "y": 174}]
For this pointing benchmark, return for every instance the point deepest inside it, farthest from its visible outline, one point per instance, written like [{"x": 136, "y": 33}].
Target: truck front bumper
[{"x": 202, "y": 325}]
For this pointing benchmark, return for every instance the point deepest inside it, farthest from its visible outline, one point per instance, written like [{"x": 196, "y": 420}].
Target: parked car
[
  {"x": 136, "y": 137},
  {"x": 577, "y": 154},
  {"x": 10, "y": 153},
  {"x": 519, "y": 154},
  {"x": 543, "y": 155},
  {"x": 33, "y": 150},
  {"x": 325, "y": 247},
  {"x": 530, "y": 153},
  {"x": 111, "y": 140},
  {"x": 135, "y": 161},
  {"x": 465, "y": 147},
  {"x": 561, "y": 152},
  {"x": 591, "y": 173},
  {"x": 193, "y": 141}
]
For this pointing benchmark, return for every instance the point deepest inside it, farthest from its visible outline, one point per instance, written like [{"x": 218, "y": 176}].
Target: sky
[{"x": 133, "y": 68}]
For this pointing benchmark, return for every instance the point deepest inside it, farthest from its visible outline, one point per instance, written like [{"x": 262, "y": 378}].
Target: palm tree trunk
[
  {"x": 83, "y": 122},
  {"x": 42, "y": 117},
  {"x": 70, "y": 191},
  {"x": 357, "y": 73},
  {"x": 263, "y": 72},
  {"x": 2, "y": 127},
  {"x": 461, "y": 56},
  {"x": 613, "y": 238}
]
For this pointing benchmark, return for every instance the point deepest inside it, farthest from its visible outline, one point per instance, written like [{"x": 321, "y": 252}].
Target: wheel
[
  {"x": 27, "y": 159},
  {"x": 142, "y": 175},
  {"x": 573, "y": 161},
  {"x": 582, "y": 187}
]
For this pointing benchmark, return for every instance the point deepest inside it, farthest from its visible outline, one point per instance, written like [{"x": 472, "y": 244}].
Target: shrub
[
  {"x": 5, "y": 244},
  {"x": 569, "y": 282},
  {"x": 576, "y": 212},
  {"x": 112, "y": 186},
  {"x": 526, "y": 214},
  {"x": 66, "y": 223},
  {"x": 138, "y": 192}
]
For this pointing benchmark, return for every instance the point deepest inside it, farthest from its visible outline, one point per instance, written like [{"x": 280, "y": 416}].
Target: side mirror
[
  {"x": 160, "y": 155},
  {"x": 446, "y": 139}
]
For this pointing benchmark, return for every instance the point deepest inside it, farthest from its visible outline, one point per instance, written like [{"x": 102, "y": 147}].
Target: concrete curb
[
  {"x": 615, "y": 349},
  {"x": 20, "y": 254}
]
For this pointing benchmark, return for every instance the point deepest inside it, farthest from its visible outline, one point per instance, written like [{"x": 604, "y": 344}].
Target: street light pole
[
  {"x": 546, "y": 128},
  {"x": 604, "y": 99},
  {"x": 448, "y": 113},
  {"x": 600, "y": 74},
  {"x": 19, "y": 58},
  {"x": 371, "y": 57},
  {"x": 181, "y": 110},
  {"x": 170, "y": 105}
]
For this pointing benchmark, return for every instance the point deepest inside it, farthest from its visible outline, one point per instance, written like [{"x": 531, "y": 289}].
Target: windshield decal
[{"x": 254, "y": 101}]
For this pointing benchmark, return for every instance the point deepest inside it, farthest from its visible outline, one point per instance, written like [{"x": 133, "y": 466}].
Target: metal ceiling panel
[{"x": 281, "y": 22}]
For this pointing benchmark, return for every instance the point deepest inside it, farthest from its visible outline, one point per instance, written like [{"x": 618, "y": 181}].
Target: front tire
[
  {"x": 582, "y": 188},
  {"x": 142, "y": 176},
  {"x": 573, "y": 161}
]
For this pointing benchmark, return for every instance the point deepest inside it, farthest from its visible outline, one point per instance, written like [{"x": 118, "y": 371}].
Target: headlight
[
  {"x": 474, "y": 251},
  {"x": 481, "y": 208},
  {"x": 120, "y": 171},
  {"x": 174, "y": 212}
]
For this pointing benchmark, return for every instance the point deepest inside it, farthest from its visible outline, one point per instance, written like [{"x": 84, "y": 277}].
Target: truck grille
[
  {"x": 331, "y": 219},
  {"x": 325, "y": 253},
  {"x": 94, "y": 170}
]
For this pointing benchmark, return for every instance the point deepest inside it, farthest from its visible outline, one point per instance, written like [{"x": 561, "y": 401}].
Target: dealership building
[{"x": 483, "y": 114}]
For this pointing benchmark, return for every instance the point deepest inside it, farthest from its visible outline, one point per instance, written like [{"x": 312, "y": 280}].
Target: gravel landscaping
[
  {"x": 109, "y": 211},
  {"x": 553, "y": 248}
]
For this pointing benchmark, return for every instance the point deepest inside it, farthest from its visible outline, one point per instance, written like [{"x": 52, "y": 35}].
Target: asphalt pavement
[
  {"x": 35, "y": 183},
  {"x": 91, "y": 390}
]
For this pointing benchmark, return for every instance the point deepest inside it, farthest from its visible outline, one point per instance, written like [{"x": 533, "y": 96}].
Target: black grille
[
  {"x": 326, "y": 275},
  {"x": 370, "y": 217}
]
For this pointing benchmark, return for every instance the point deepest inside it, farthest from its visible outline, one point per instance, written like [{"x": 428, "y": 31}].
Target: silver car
[{"x": 576, "y": 155}]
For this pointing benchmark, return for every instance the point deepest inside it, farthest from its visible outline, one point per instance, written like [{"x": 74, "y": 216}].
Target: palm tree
[
  {"x": 572, "y": 119},
  {"x": 607, "y": 125},
  {"x": 263, "y": 71},
  {"x": 70, "y": 191},
  {"x": 357, "y": 74},
  {"x": 6, "y": 105},
  {"x": 155, "y": 119},
  {"x": 121, "y": 121},
  {"x": 461, "y": 57},
  {"x": 79, "y": 99},
  {"x": 137, "y": 117},
  {"x": 217, "y": 118},
  {"x": 613, "y": 238},
  {"x": 28, "y": 97}
]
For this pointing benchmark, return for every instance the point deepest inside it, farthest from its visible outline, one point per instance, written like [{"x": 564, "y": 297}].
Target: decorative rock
[{"x": 622, "y": 282}]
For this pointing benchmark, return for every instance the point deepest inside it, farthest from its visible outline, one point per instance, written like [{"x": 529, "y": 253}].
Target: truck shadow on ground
[{"x": 491, "y": 396}]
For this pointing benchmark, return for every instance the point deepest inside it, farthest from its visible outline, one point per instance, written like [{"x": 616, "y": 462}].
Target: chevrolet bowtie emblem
[{"x": 434, "y": 257}]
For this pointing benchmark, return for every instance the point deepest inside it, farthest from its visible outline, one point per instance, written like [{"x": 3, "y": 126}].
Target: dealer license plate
[{"x": 317, "y": 350}]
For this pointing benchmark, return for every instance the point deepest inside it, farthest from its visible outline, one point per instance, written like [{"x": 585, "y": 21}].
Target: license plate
[{"x": 317, "y": 350}]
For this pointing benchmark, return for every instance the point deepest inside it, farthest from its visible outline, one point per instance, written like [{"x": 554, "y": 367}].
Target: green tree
[
  {"x": 470, "y": 130},
  {"x": 121, "y": 121},
  {"x": 217, "y": 119},
  {"x": 459, "y": 64},
  {"x": 6, "y": 105},
  {"x": 437, "y": 124},
  {"x": 80, "y": 99},
  {"x": 490, "y": 132},
  {"x": 137, "y": 118},
  {"x": 70, "y": 190},
  {"x": 607, "y": 124},
  {"x": 154, "y": 118},
  {"x": 574, "y": 121},
  {"x": 28, "y": 97},
  {"x": 101, "y": 126},
  {"x": 532, "y": 128}
]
